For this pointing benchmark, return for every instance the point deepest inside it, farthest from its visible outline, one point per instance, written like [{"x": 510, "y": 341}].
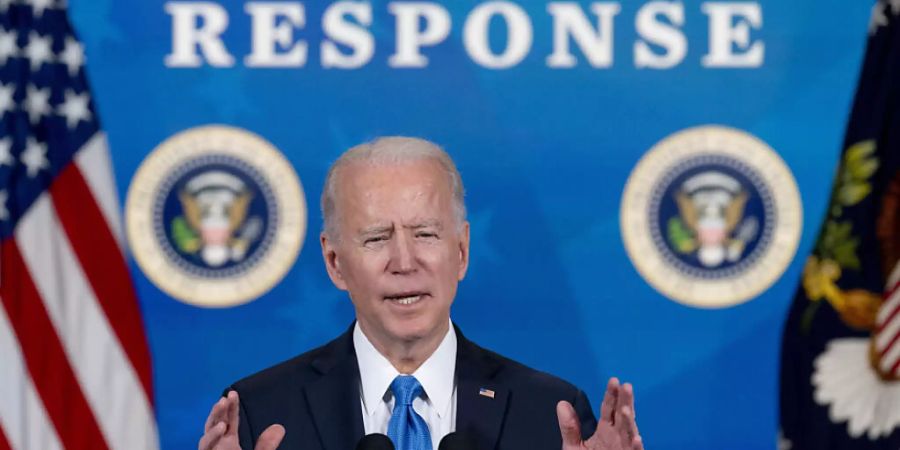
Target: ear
[
  {"x": 332, "y": 263},
  {"x": 463, "y": 251}
]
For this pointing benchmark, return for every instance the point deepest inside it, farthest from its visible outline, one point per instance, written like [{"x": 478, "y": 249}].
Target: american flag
[{"x": 74, "y": 363}]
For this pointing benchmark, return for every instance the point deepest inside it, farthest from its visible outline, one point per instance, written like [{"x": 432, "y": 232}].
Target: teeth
[{"x": 408, "y": 300}]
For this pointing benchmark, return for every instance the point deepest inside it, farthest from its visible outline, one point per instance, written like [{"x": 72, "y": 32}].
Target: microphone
[
  {"x": 375, "y": 441},
  {"x": 456, "y": 441}
]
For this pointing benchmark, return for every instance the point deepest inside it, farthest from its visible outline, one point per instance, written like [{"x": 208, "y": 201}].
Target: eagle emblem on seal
[
  {"x": 711, "y": 222},
  {"x": 215, "y": 225}
]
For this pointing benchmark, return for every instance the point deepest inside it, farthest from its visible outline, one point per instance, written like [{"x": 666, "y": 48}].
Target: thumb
[
  {"x": 270, "y": 438},
  {"x": 569, "y": 427}
]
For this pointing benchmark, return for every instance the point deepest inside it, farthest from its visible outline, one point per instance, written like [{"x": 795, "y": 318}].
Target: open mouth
[{"x": 406, "y": 298}]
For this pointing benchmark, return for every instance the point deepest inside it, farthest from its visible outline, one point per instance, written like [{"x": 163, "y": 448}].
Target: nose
[{"x": 403, "y": 258}]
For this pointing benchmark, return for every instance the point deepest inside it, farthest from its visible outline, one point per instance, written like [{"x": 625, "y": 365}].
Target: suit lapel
[
  {"x": 334, "y": 398},
  {"x": 481, "y": 402}
]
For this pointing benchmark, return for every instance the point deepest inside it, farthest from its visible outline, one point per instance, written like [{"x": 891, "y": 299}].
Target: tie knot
[{"x": 406, "y": 388}]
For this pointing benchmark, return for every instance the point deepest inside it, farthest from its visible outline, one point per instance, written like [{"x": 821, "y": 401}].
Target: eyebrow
[
  {"x": 428, "y": 223},
  {"x": 379, "y": 229},
  {"x": 376, "y": 229}
]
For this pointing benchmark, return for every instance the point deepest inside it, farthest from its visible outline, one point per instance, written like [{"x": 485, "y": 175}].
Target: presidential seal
[
  {"x": 215, "y": 216},
  {"x": 711, "y": 216}
]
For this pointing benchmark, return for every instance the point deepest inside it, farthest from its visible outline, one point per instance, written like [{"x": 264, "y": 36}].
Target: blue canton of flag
[
  {"x": 74, "y": 363},
  {"x": 44, "y": 101}
]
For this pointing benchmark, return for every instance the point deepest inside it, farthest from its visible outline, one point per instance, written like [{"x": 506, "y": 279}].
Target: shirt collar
[{"x": 436, "y": 374}]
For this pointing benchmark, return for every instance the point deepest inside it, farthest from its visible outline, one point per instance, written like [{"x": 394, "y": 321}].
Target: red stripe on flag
[
  {"x": 890, "y": 344},
  {"x": 101, "y": 259},
  {"x": 880, "y": 326},
  {"x": 44, "y": 355},
  {"x": 4, "y": 443},
  {"x": 891, "y": 292}
]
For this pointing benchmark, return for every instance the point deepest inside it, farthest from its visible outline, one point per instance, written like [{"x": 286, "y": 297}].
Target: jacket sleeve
[
  {"x": 244, "y": 432},
  {"x": 585, "y": 415}
]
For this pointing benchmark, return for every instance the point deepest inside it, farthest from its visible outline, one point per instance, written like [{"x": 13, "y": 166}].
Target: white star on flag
[
  {"x": 38, "y": 50},
  {"x": 878, "y": 18},
  {"x": 72, "y": 56},
  {"x": 8, "y": 46},
  {"x": 35, "y": 157},
  {"x": 4, "y": 5},
  {"x": 895, "y": 7},
  {"x": 783, "y": 443},
  {"x": 38, "y": 6},
  {"x": 7, "y": 103},
  {"x": 37, "y": 103},
  {"x": 4, "y": 212},
  {"x": 6, "y": 158},
  {"x": 75, "y": 108}
]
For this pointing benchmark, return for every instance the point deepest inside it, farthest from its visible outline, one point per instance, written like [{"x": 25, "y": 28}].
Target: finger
[
  {"x": 270, "y": 438},
  {"x": 233, "y": 413},
  {"x": 624, "y": 425},
  {"x": 212, "y": 436},
  {"x": 569, "y": 427},
  {"x": 608, "y": 407},
  {"x": 215, "y": 414},
  {"x": 637, "y": 443},
  {"x": 627, "y": 396},
  {"x": 627, "y": 400}
]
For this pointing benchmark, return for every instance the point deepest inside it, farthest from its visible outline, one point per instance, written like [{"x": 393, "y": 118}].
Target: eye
[
  {"x": 374, "y": 240},
  {"x": 426, "y": 234}
]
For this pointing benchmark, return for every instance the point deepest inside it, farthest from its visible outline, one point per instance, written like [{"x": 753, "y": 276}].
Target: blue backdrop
[{"x": 544, "y": 153}]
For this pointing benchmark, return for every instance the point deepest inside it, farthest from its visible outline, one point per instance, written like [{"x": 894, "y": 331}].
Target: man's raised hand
[
  {"x": 616, "y": 429},
  {"x": 221, "y": 429}
]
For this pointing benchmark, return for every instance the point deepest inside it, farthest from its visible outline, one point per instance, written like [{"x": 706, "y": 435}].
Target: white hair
[{"x": 392, "y": 150}]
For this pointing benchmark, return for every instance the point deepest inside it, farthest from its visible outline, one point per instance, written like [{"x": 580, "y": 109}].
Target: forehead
[{"x": 373, "y": 189}]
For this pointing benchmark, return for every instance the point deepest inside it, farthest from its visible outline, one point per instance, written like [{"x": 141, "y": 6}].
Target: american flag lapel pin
[{"x": 486, "y": 392}]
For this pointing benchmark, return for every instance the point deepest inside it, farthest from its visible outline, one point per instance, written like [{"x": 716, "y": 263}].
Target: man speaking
[{"x": 396, "y": 239}]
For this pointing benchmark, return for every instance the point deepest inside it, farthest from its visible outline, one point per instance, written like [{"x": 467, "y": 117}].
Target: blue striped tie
[{"x": 407, "y": 429}]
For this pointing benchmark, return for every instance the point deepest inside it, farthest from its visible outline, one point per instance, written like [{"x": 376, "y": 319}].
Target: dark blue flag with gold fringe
[{"x": 840, "y": 359}]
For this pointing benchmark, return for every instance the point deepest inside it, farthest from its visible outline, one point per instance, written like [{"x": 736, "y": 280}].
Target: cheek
[
  {"x": 438, "y": 256},
  {"x": 361, "y": 270},
  {"x": 444, "y": 264}
]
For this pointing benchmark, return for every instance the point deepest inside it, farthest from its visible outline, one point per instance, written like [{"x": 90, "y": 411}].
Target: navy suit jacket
[{"x": 315, "y": 396}]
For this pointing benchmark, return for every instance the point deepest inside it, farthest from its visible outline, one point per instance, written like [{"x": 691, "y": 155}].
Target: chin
[{"x": 412, "y": 330}]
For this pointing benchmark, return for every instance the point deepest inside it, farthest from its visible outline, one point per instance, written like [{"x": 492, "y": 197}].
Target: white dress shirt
[{"x": 437, "y": 406}]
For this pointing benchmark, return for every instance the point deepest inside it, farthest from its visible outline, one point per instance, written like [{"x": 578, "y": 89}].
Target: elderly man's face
[{"x": 401, "y": 252}]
